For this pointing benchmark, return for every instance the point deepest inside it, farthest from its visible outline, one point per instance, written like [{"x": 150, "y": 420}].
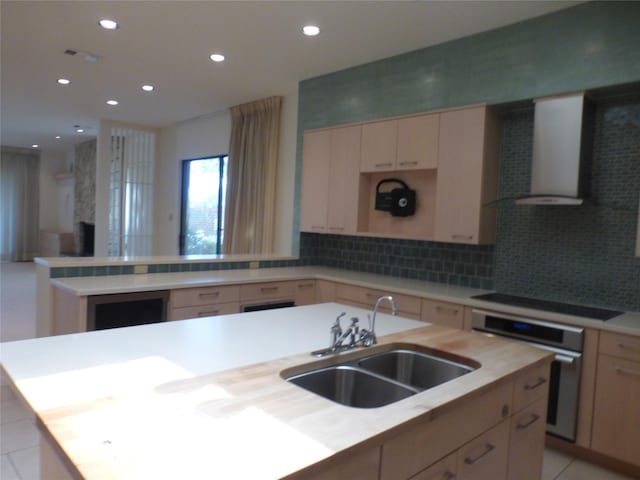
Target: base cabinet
[
  {"x": 485, "y": 458},
  {"x": 526, "y": 451}
]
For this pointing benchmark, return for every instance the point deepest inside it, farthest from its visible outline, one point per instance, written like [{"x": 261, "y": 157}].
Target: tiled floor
[{"x": 19, "y": 438}]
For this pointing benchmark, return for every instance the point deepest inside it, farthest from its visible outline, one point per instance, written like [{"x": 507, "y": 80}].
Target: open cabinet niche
[{"x": 382, "y": 224}]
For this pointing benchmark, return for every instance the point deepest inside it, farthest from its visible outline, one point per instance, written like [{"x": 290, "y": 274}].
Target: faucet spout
[{"x": 370, "y": 337}]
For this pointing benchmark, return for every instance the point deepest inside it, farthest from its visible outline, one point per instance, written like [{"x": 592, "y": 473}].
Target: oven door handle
[{"x": 564, "y": 359}]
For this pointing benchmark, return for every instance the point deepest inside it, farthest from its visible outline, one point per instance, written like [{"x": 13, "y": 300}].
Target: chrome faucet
[{"x": 368, "y": 337}]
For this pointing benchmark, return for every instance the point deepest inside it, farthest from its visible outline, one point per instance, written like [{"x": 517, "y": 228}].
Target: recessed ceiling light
[
  {"x": 310, "y": 30},
  {"x": 112, "y": 102},
  {"x": 216, "y": 57},
  {"x": 108, "y": 24},
  {"x": 80, "y": 130},
  {"x": 64, "y": 81},
  {"x": 35, "y": 145},
  {"x": 148, "y": 88},
  {"x": 58, "y": 137}
]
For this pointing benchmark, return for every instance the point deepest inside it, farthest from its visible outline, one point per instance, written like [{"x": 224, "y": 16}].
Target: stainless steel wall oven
[{"x": 565, "y": 342}]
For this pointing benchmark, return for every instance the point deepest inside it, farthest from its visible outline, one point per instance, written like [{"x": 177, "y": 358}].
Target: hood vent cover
[{"x": 562, "y": 146}]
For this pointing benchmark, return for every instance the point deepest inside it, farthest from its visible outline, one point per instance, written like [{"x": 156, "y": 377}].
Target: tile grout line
[
  {"x": 557, "y": 477},
  {"x": 13, "y": 465}
]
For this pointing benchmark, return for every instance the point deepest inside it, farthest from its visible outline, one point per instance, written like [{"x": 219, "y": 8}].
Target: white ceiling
[{"x": 167, "y": 43}]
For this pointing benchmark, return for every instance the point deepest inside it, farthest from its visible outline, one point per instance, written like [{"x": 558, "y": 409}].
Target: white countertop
[
  {"x": 88, "y": 366},
  {"x": 627, "y": 323}
]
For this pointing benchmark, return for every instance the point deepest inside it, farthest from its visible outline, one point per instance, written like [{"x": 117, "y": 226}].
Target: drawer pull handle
[
  {"x": 541, "y": 381},
  {"x": 373, "y": 295},
  {"x": 628, "y": 346},
  {"x": 305, "y": 285},
  {"x": 268, "y": 289},
  {"x": 207, "y": 295},
  {"x": 208, "y": 312},
  {"x": 487, "y": 450},
  {"x": 626, "y": 371},
  {"x": 408, "y": 163},
  {"x": 457, "y": 236},
  {"x": 339, "y": 229},
  {"x": 383, "y": 164},
  {"x": 317, "y": 227},
  {"x": 534, "y": 419},
  {"x": 452, "y": 311},
  {"x": 564, "y": 359}
]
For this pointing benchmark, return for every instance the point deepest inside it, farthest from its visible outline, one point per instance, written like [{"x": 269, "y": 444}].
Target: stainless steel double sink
[{"x": 375, "y": 379}]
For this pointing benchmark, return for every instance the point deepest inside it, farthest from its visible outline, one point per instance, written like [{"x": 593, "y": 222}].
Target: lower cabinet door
[
  {"x": 485, "y": 457},
  {"x": 445, "y": 469},
  {"x": 526, "y": 442}
]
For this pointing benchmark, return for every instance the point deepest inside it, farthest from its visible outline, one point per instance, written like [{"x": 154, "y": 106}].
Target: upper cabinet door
[
  {"x": 344, "y": 178},
  {"x": 379, "y": 146},
  {"x": 418, "y": 142},
  {"x": 467, "y": 176},
  {"x": 316, "y": 160}
]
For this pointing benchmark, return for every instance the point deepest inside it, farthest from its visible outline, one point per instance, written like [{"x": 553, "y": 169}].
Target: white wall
[
  {"x": 56, "y": 197},
  {"x": 209, "y": 136}
]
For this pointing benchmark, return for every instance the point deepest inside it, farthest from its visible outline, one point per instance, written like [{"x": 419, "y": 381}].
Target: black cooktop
[{"x": 556, "y": 307}]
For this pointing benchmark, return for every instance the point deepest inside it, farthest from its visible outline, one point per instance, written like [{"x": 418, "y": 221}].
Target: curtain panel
[
  {"x": 251, "y": 186},
  {"x": 19, "y": 204}
]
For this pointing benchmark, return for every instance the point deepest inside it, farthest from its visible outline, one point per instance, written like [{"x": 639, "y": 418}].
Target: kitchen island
[{"x": 204, "y": 398}]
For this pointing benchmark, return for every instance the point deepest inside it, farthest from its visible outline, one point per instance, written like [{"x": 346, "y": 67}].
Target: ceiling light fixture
[
  {"x": 80, "y": 130},
  {"x": 148, "y": 88},
  {"x": 112, "y": 102},
  {"x": 310, "y": 30},
  {"x": 216, "y": 57},
  {"x": 64, "y": 81},
  {"x": 108, "y": 24},
  {"x": 58, "y": 137},
  {"x": 35, "y": 145}
]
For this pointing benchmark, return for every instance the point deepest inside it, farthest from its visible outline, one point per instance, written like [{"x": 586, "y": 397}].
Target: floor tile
[
  {"x": 27, "y": 462},
  {"x": 7, "y": 472},
  {"x": 579, "y": 470},
  {"x": 12, "y": 410},
  {"x": 18, "y": 435},
  {"x": 554, "y": 463}
]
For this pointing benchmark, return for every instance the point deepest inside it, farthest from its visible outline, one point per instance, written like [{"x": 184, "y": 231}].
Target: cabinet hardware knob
[
  {"x": 541, "y": 381},
  {"x": 534, "y": 419},
  {"x": 487, "y": 450}
]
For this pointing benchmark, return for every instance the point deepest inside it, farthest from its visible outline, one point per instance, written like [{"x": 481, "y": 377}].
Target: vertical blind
[{"x": 131, "y": 192}]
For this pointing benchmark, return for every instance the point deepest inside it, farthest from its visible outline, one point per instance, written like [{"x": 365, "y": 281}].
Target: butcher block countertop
[{"x": 204, "y": 398}]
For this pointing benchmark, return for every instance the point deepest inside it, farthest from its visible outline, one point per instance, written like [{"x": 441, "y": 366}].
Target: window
[{"x": 204, "y": 185}]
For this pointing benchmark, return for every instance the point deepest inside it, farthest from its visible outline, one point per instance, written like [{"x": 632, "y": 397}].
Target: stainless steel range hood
[{"x": 562, "y": 145}]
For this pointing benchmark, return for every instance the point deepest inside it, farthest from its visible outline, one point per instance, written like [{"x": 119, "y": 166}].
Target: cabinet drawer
[
  {"x": 368, "y": 297},
  {"x": 622, "y": 346},
  {"x": 526, "y": 442},
  {"x": 266, "y": 291},
  {"x": 442, "y": 313},
  {"x": 196, "y": 311},
  {"x": 187, "y": 297},
  {"x": 418, "y": 448},
  {"x": 530, "y": 386},
  {"x": 485, "y": 457},
  {"x": 445, "y": 469},
  {"x": 305, "y": 292},
  {"x": 361, "y": 466}
]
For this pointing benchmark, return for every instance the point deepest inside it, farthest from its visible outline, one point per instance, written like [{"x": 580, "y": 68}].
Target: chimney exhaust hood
[{"x": 562, "y": 145}]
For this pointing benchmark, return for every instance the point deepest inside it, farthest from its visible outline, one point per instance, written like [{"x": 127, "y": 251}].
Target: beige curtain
[{"x": 251, "y": 186}]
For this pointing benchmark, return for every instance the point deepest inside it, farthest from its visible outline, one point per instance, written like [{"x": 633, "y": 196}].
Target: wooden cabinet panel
[
  {"x": 379, "y": 143},
  {"x": 196, "y": 311},
  {"x": 467, "y": 176},
  {"x": 187, "y": 297},
  {"x": 344, "y": 175},
  {"x": 325, "y": 291},
  {"x": 305, "y": 292},
  {"x": 442, "y": 313},
  {"x": 368, "y": 297},
  {"x": 315, "y": 181},
  {"x": 526, "y": 442},
  {"x": 445, "y": 469},
  {"x": 268, "y": 291},
  {"x": 530, "y": 386},
  {"x": 616, "y": 418},
  {"x": 362, "y": 466},
  {"x": 618, "y": 345},
  {"x": 418, "y": 448},
  {"x": 485, "y": 458},
  {"x": 418, "y": 142}
]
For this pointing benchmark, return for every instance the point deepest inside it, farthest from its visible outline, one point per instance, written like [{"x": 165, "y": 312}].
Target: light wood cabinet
[
  {"x": 467, "y": 176},
  {"x": 305, "y": 292},
  {"x": 361, "y": 466},
  {"x": 330, "y": 178},
  {"x": 616, "y": 418},
  {"x": 203, "y": 302},
  {"x": 406, "y": 305},
  {"x": 255, "y": 293},
  {"x": 444, "y": 469},
  {"x": 409, "y": 143},
  {"x": 485, "y": 457},
  {"x": 442, "y": 313},
  {"x": 526, "y": 442},
  {"x": 325, "y": 291}
]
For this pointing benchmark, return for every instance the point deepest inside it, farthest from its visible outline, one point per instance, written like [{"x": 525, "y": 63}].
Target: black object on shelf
[{"x": 399, "y": 202}]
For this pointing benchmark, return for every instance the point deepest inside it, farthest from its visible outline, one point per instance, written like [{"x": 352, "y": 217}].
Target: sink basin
[
  {"x": 416, "y": 369},
  {"x": 352, "y": 386}
]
